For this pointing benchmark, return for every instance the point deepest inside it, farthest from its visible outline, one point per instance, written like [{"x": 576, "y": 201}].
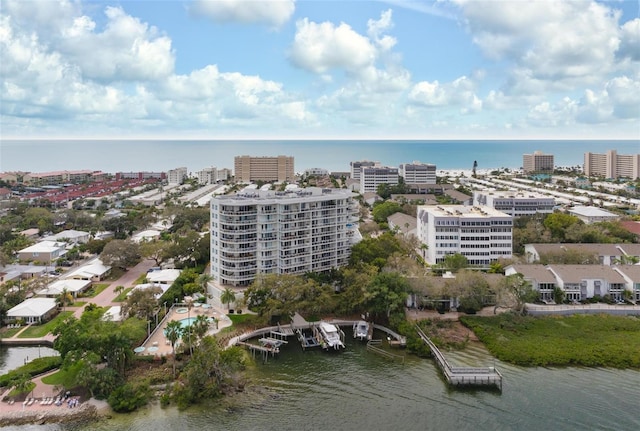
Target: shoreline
[{"x": 90, "y": 410}]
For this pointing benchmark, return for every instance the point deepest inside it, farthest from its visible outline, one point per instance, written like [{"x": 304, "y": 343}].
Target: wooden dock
[{"x": 463, "y": 376}]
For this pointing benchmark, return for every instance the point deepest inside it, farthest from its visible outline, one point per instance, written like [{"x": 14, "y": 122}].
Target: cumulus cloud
[
  {"x": 458, "y": 93},
  {"x": 550, "y": 43},
  {"x": 318, "y": 47},
  {"x": 630, "y": 40},
  {"x": 270, "y": 12}
]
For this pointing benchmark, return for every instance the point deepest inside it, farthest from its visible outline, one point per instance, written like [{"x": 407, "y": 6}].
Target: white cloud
[
  {"x": 318, "y": 47},
  {"x": 127, "y": 49},
  {"x": 271, "y": 12},
  {"x": 630, "y": 40},
  {"x": 552, "y": 44},
  {"x": 458, "y": 93}
]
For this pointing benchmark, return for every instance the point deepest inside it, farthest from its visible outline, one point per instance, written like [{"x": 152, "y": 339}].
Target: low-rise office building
[
  {"x": 515, "y": 203},
  {"x": 481, "y": 234}
]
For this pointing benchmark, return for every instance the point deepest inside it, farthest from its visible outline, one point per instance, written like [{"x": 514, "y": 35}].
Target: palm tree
[
  {"x": 228, "y": 296},
  {"x": 64, "y": 298},
  {"x": 203, "y": 281},
  {"x": 200, "y": 326},
  {"x": 173, "y": 332}
]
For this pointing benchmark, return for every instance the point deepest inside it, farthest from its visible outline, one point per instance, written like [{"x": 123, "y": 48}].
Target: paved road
[{"x": 106, "y": 297}]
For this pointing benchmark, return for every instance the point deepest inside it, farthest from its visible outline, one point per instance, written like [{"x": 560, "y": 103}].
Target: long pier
[{"x": 463, "y": 376}]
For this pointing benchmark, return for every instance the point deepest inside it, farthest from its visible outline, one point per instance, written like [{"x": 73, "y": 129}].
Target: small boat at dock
[
  {"x": 361, "y": 330},
  {"x": 332, "y": 336}
]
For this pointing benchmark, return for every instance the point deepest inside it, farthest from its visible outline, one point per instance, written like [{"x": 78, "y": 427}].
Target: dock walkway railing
[{"x": 463, "y": 376}]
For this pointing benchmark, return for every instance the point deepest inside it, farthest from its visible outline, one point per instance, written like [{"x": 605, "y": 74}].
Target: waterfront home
[
  {"x": 606, "y": 254},
  {"x": 631, "y": 275},
  {"x": 33, "y": 310},
  {"x": 578, "y": 282}
]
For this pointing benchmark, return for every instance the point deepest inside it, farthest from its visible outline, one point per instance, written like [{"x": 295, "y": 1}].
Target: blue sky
[{"x": 401, "y": 69}]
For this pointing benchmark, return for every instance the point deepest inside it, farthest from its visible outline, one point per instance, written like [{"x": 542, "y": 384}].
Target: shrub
[
  {"x": 33, "y": 368},
  {"x": 129, "y": 397}
]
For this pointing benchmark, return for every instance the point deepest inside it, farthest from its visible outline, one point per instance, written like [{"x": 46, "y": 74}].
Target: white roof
[
  {"x": 163, "y": 276},
  {"x": 58, "y": 286},
  {"x": 162, "y": 287},
  {"x": 145, "y": 235},
  {"x": 43, "y": 247},
  {"x": 88, "y": 270},
  {"x": 591, "y": 212},
  {"x": 67, "y": 234},
  {"x": 32, "y": 307},
  {"x": 113, "y": 314}
]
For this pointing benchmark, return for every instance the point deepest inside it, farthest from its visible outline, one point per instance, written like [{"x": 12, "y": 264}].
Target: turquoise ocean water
[{"x": 153, "y": 155}]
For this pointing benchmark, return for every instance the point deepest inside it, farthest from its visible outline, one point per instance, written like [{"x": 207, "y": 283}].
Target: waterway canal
[{"x": 357, "y": 390}]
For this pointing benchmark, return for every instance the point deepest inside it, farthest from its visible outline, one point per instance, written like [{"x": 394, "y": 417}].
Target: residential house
[
  {"x": 581, "y": 282},
  {"x": 607, "y": 254},
  {"x": 92, "y": 271},
  {"x": 403, "y": 223},
  {"x": 33, "y": 310},
  {"x": 45, "y": 251},
  {"x": 74, "y": 287},
  {"x": 631, "y": 274},
  {"x": 70, "y": 236},
  {"x": 540, "y": 277}
]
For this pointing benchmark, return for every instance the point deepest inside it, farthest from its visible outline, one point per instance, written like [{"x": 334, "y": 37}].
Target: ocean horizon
[{"x": 115, "y": 155}]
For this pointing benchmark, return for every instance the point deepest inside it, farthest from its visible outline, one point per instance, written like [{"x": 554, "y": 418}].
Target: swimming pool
[{"x": 187, "y": 322}]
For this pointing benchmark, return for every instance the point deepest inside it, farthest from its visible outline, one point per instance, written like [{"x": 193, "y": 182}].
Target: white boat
[
  {"x": 332, "y": 336},
  {"x": 361, "y": 330}
]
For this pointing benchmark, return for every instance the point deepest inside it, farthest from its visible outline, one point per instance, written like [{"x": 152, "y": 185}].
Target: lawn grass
[
  {"x": 40, "y": 331},
  {"x": 584, "y": 340},
  {"x": 8, "y": 333},
  {"x": 123, "y": 295},
  {"x": 239, "y": 319},
  {"x": 95, "y": 290},
  {"x": 66, "y": 378}
]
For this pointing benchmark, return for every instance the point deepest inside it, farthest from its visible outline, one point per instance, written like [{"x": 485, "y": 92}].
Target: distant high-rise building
[
  {"x": 372, "y": 177},
  {"x": 356, "y": 168},
  {"x": 177, "y": 175},
  {"x": 268, "y": 169},
  {"x": 612, "y": 165},
  {"x": 212, "y": 175},
  {"x": 418, "y": 173},
  {"x": 537, "y": 162}
]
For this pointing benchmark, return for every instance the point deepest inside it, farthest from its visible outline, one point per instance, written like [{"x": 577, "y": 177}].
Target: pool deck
[{"x": 158, "y": 345}]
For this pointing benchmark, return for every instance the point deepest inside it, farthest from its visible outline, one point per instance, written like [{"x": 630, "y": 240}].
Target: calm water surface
[{"x": 356, "y": 390}]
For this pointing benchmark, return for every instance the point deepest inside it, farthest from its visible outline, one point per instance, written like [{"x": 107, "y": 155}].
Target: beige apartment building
[
  {"x": 249, "y": 169},
  {"x": 537, "y": 162},
  {"x": 612, "y": 165}
]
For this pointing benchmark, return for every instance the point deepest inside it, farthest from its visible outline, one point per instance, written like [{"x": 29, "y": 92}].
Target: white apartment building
[
  {"x": 515, "y": 203},
  {"x": 372, "y": 177},
  {"x": 480, "y": 233},
  {"x": 356, "y": 168},
  {"x": 292, "y": 232},
  {"x": 612, "y": 165},
  {"x": 177, "y": 175},
  {"x": 268, "y": 169},
  {"x": 418, "y": 173},
  {"x": 212, "y": 175}
]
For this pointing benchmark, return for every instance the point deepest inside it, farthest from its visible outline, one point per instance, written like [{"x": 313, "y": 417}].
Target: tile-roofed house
[
  {"x": 33, "y": 310},
  {"x": 539, "y": 276},
  {"x": 586, "y": 281},
  {"x": 631, "y": 274},
  {"x": 403, "y": 222},
  {"x": 631, "y": 226},
  {"x": 607, "y": 254}
]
